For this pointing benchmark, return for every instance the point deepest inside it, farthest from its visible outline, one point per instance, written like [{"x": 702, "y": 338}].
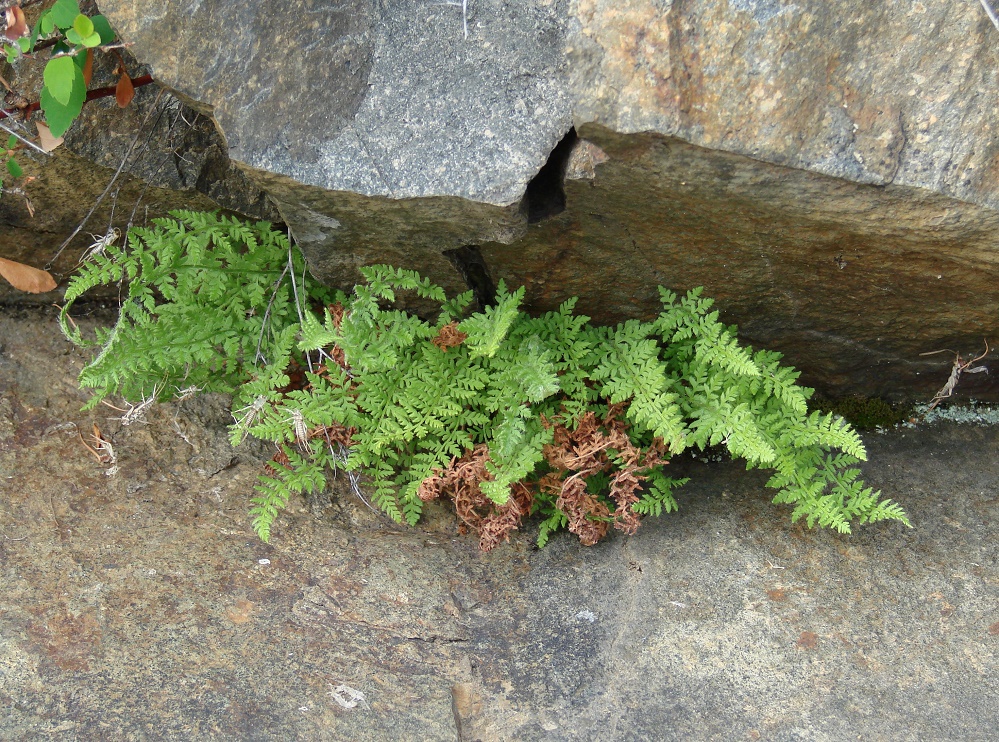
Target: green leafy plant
[
  {"x": 506, "y": 414},
  {"x": 204, "y": 307},
  {"x": 69, "y": 36},
  {"x": 11, "y": 164}
]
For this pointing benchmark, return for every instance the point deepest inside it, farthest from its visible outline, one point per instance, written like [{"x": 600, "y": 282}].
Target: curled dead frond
[
  {"x": 588, "y": 517},
  {"x": 960, "y": 366},
  {"x": 335, "y": 434},
  {"x": 336, "y": 312},
  {"x": 279, "y": 459},
  {"x": 594, "y": 446},
  {"x": 460, "y": 481},
  {"x": 598, "y": 446},
  {"x": 449, "y": 336}
]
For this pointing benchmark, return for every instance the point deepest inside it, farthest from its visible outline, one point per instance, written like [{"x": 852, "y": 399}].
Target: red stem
[{"x": 94, "y": 94}]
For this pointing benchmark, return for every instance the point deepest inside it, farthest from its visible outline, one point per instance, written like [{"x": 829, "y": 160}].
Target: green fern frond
[
  {"x": 384, "y": 281},
  {"x": 487, "y": 329},
  {"x": 556, "y": 521},
  {"x": 629, "y": 367},
  {"x": 210, "y": 304},
  {"x": 301, "y": 476},
  {"x": 659, "y": 498}
]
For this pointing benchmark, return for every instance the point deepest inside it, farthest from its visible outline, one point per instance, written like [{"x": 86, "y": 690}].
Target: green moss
[{"x": 864, "y": 413}]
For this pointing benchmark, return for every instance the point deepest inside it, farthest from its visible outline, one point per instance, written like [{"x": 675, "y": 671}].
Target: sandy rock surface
[{"x": 141, "y": 606}]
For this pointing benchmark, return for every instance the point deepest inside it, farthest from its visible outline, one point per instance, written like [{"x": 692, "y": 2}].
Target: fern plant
[
  {"x": 506, "y": 414},
  {"x": 210, "y": 301}
]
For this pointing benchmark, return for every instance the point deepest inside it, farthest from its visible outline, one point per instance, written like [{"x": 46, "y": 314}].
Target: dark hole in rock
[
  {"x": 468, "y": 261},
  {"x": 545, "y": 195}
]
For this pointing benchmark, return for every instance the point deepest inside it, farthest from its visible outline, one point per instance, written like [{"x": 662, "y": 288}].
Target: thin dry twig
[
  {"x": 102, "y": 450},
  {"x": 90, "y": 448},
  {"x": 156, "y": 172},
  {"x": 135, "y": 413},
  {"x": 26, "y": 142},
  {"x": 340, "y": 457},
  {"x": 259, "y": 356},
  {"x": 114, "y": 178},
  {"x": 294, "y": 289},
  {"x": 25, "y": 108},
  {"x": 960, "y": 367}
]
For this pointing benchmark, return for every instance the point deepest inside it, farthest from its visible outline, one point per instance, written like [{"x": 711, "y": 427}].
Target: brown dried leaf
[
  {"x": 336, "y": 433},
  {"x": 588, "y": 517},
  {"x": 25, "y": 278},
  {"x": 16, "y": 25},
  {"x": 493, "y": 523},
  {"x": 279, "y": 459},
  {"x": 88, "y": 67},
  {"x": 124, "y": 91},
  {"x": 584, "y": 452},
  {"x": 336, "y": 312},
  {"x": 45, "y": 139}
]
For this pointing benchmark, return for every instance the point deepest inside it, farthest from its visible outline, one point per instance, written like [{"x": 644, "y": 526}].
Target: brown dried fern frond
[
  {"x": 460, "y": 481},
  {"x": 579, "y": 453},
  {"x": 449, "y": 336},
  {"x": 279, "y": 459}
]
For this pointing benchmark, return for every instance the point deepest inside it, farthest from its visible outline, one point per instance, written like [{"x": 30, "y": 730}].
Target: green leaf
[
  {"x": 45, "y": 26},
  {"x": 83, "y": 25},
  {"x": 13, "y": 168},
  {"x": 11, "y": 141},
  {"x": 64, "y": 12},
  {"x": 60, "y": 116},
  {"x": 102, "y": 27},
  {"x": 91, "y": 41},
  {"x": 24, "y": 44},
  {"x": 60, "y": 74},
  {"x": 73, "y": 37},
  {"x": 11, "y": 55}
]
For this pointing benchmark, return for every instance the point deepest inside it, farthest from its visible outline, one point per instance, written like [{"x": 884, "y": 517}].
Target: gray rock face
[
  {"x": 874, "y": 93},
  {"x": 388, "y": 100},
  {"x": 395, "y": 99},
  {"x": 840, "y": 199}
]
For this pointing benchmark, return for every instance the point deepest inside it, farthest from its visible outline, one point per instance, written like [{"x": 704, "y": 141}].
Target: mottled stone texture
[
  {"x": 380, "y": 99},
  {"x": 894, "y": 92},
  {"x": 851, "y": 282},
  {"x": 141, "y": 606},
  {"x": 66, "y": 188},
  {"x": 178, "y": 162},
  {"x": 840, "y": 201}
]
